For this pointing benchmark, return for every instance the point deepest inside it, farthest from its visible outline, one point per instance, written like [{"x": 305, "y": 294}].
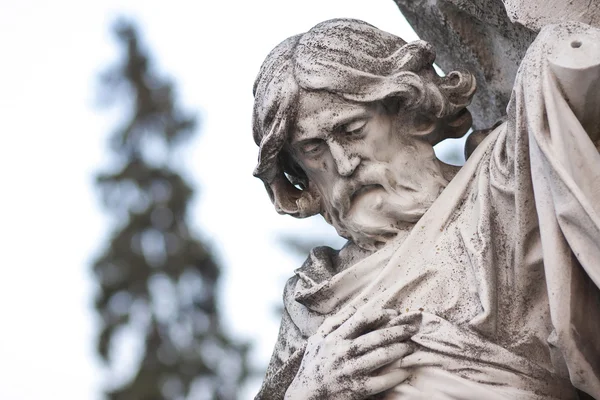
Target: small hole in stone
[{"x": 576, "y": 44}]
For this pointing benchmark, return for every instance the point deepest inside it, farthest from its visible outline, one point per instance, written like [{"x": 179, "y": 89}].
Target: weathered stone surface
[
  {"x": 535, "y": 15},
  {"x": 478, "y": 36},
  {"x": 473, "y": 282},
  {"x": 489, "y": 38}
]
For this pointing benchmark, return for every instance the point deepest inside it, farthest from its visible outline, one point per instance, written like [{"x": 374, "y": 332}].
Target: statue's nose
[{"x": 345, "y": 161}]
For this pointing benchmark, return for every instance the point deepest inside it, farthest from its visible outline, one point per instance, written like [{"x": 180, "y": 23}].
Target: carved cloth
[{"x": 501, "y": 275}]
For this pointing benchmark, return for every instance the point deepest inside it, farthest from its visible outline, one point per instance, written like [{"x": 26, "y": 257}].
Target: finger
[
  {"x": 362, "y": 322},
  {"x": 381, "y": 337},
  {"x": 383, "y": 355},
  {"x": 405, "y": 319},
  {"x": 332, "y": 323},
  {"x": 383, "y": 382}
]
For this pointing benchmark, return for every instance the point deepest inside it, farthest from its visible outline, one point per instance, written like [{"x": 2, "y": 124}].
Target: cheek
[
  {"x": 383, "y": 141},
  {"x": 413, "y": 160},
  {"x": 320, "y": 174},
  {"x": 315, "y": 167},
  {"x": 324, "y": 166},
  {"x": 318, "y": 166}
]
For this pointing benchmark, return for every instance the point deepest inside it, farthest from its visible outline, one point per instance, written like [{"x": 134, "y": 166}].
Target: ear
[{"x": 292, "y": 201}]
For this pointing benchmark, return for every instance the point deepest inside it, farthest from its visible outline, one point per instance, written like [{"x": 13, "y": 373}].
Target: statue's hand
[{"x": 342, "y": 364}]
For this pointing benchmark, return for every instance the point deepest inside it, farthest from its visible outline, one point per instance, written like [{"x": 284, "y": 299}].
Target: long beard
[{"x": 379, "y": 202}]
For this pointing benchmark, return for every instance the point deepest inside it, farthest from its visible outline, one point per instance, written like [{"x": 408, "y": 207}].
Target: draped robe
[{"x": 501, "y": 274}]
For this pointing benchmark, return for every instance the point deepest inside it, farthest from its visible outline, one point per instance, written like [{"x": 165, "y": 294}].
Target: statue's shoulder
[{"x": 323, "y": 262}]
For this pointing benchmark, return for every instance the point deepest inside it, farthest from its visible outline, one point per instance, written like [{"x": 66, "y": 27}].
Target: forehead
[{"x": 320, "y": 112}]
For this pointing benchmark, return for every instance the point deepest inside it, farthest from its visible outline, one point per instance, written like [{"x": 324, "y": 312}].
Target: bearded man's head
[{"x": 346, "y": 117}]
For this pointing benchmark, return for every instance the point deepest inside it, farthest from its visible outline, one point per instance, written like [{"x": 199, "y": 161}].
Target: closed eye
[
  {"x": 311, "y": 148},
  {"x": 354, "y": 128}
]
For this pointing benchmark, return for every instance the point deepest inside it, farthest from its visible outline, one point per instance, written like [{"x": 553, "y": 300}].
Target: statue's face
[{"x": 374, "y": 174}]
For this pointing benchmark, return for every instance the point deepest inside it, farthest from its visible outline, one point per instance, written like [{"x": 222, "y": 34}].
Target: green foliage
[{"x": 156, "y": 279}]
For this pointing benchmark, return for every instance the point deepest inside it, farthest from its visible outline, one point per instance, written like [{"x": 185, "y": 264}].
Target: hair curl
[{"x": 360, "y": 63}]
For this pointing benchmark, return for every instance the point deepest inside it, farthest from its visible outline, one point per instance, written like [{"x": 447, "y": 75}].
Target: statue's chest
[{"x": 442, "y": 281}]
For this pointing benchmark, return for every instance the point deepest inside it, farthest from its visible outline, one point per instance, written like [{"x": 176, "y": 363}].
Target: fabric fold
[{"x": 503, "y": 270}]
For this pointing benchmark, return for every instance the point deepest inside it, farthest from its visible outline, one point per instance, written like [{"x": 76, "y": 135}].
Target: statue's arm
[
  {"x": 286, "y": 357},
  {"x": 556, "y": 94},
  {"x": 558, "y": 107},
  {"x": 575, "y": 63}
]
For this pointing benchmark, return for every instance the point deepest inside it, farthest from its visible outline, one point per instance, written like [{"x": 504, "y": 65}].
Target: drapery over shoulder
[
  {"x": 504, "y": 268},
  {"x": 550, "y": 104}
]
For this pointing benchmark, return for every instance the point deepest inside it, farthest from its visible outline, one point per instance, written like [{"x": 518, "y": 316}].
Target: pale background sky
[{"x": 53, "y": 139}]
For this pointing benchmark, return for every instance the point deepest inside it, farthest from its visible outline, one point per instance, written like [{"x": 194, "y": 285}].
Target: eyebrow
[
  {"x": 345, "y": 121},
  {"x": 297, "y": 145},
  {"x": 358, "y": 115}
]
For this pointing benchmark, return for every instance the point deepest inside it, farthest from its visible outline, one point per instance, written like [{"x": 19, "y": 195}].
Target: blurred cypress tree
[{"x": 156, "y": 280}]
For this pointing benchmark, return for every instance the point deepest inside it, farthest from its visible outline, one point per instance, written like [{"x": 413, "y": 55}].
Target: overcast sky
[{"x": 53, "y": 140}]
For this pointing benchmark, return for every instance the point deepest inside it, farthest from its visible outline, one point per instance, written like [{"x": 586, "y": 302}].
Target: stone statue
[{"x": 478, "y": 282}]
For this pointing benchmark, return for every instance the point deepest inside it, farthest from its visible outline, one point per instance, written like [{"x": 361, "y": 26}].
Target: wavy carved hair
[{"x": 360, "y": 63}]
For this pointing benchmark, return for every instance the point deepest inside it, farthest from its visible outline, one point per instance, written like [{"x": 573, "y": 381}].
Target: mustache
[
  {"x": 406, "y": 190},
  {"x": 346, "y": 191},
  {"x": 410, "y": 193}
]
